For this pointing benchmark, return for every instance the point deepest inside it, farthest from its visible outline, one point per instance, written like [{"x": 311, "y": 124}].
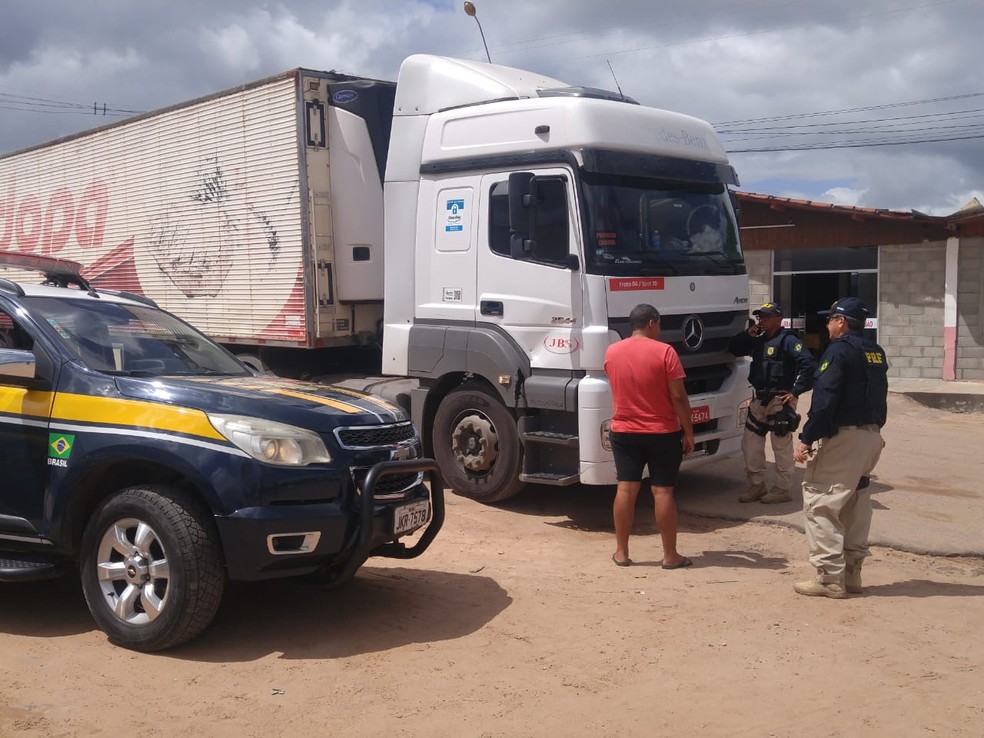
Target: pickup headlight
[{"x": 270, "y": 441}]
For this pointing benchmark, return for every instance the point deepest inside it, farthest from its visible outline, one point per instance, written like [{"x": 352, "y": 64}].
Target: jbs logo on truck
[{"x": 561, "y": 344}]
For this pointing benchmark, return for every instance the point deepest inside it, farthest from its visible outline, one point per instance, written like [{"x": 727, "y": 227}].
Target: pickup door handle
[{"x": 491, "y": 307}]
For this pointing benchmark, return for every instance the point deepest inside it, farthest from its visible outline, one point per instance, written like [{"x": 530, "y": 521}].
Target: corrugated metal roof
[{"x": 779, "y": 203}]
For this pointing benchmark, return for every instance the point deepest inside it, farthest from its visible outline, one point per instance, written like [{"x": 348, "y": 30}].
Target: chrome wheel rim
[{"x": 133, "y": 571}]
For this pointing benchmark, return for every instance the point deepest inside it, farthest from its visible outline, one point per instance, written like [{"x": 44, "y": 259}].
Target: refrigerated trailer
[{"x": 479, "y": 232}]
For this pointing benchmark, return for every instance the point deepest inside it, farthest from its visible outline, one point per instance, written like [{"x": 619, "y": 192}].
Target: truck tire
[
  {"x": 254, "y": 362},
  {"x": 477, "y": 446},
  {"x": 152, "y": 568}
]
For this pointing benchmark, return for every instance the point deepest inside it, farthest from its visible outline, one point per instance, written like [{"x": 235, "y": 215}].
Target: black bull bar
[{"x": 360, "y": 547}]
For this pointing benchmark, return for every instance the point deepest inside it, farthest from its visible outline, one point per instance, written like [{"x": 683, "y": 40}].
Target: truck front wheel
[
  {"x": 477, "y": 446},
  {"x": 152, "y": 568}
]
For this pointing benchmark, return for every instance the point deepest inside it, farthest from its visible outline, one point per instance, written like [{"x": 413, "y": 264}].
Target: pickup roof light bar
[{"x": 57, "y": 272}]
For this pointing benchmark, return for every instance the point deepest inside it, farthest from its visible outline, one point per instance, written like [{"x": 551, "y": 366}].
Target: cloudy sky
[{"x": 877, "y": 103}]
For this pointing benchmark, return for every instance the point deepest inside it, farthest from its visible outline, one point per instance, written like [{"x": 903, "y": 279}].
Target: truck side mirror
[
  {"x": 520, "y": 213},
  {"x": 735, "y": 204}
]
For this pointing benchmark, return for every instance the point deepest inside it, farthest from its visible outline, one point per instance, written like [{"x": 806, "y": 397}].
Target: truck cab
[
  {"x": 144, "y": 455},
  {"x": 524, "y": 220}
]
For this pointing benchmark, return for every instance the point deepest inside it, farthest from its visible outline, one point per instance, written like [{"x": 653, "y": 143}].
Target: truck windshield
[
  {"x": 638, "y": 227},
  {"x": 132, "y": 340}
]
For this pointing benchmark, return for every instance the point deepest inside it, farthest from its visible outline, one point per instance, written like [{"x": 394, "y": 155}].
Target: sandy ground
[{"x": 516, "y": 623}]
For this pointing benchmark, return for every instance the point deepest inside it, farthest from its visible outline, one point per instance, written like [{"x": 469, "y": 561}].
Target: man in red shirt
[{"x": 650, "y": 427}]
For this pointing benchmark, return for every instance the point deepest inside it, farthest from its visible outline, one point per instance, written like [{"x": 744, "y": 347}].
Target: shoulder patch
[
  {"x": 771, "y": 350},
  {"x": 798, "y": 346},
  {"x": 824, "y": 365}
]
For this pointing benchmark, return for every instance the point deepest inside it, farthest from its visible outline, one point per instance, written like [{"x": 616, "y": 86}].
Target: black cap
[
  {"x": 768, "y": 308},
  {"x": 852, "y": 307}
]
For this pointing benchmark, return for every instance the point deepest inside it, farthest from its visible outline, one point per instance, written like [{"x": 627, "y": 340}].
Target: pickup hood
[{"x": 317, "y": 407}]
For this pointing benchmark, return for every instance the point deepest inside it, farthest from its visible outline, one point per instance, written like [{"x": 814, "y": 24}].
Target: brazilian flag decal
[
  {"x": 824, "y": 366},
  {"x": 60, "y": 445}
]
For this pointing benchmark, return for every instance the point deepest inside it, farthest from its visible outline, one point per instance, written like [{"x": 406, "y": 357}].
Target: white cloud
[
  {"x": 720, "y": 59},
  {"x": 232, "y": 45}
]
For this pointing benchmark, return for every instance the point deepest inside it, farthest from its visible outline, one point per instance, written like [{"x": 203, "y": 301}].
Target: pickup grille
[
  {"x": 390, "y": 487},
  {"x": 374, "y": 436}
]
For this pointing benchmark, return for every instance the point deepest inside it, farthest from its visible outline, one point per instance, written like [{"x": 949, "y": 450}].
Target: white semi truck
[{"x": 482, "y": 232}]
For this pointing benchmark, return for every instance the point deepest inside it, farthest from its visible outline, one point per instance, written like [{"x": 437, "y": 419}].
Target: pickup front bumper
[{"x": 334, "y": 538}]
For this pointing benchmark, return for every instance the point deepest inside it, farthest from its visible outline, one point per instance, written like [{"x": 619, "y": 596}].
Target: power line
[
  {"x": 27, "y": 103},
  {"x": 854, "y": 145},
  {"x": 847, "y": 111}
]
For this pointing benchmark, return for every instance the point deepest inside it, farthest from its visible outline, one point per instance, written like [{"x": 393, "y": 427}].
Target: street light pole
[{"x": 471, "y": 10}]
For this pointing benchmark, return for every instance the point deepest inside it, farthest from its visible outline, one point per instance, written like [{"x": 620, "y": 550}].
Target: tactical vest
[
  {"x": 870, "y": 387},
  {"x": 768, "y": 370}
]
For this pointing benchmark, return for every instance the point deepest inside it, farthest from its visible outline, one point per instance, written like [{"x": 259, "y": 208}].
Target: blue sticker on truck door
[
  {"x": 455, "y": 210},
  {"x": 453, "y": 219}
]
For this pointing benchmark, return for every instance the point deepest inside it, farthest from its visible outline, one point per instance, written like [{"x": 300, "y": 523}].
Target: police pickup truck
[{"x": 140, "y": 452}]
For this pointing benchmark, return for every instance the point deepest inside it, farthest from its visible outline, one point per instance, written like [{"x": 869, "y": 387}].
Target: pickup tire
[
  {"x": 477, "y": 446},
  {"x": 152, "y": 568}
]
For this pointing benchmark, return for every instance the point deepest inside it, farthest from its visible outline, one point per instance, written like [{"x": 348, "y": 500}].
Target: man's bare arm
[{"x": 681, "y": 404}]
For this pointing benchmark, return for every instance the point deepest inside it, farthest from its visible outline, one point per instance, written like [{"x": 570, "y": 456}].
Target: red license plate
[{"x": 700, "y": 414}]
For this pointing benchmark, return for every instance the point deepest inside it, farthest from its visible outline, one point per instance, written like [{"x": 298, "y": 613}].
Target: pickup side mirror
[{"x": 18, "y": 367}]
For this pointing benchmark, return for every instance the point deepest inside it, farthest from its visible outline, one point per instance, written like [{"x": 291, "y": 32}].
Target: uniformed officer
[
  {"x": 841, "y": 442},
  {"x": 782, "y": 369}
]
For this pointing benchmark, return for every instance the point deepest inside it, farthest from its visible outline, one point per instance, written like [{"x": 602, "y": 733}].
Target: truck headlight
[{"x": 270, "y": 441}]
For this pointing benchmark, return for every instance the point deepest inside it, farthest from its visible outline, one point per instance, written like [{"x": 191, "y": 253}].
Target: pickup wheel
[
  {"x": 477, "y": 446},
  {"x": 152, "y": 568}
]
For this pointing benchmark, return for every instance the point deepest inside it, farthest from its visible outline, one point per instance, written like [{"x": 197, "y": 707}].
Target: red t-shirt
[{"x": 640, "y": 370}]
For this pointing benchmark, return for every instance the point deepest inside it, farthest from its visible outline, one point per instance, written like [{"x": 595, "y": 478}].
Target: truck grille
[{"x": 374, "y": 436}]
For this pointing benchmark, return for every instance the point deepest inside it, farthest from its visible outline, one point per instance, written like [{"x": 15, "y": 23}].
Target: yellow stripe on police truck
[{"x": 134, "y": 413}]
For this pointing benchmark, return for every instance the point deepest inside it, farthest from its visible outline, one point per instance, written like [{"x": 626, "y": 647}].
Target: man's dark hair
[{"x": 641, "y": 315}]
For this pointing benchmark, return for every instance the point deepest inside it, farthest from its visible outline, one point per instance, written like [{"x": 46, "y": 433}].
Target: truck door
[
  {"x": 24, "y": 418},
  {"x": 529, "y": 282}
]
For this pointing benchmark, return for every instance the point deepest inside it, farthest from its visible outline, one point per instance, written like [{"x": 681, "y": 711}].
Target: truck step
[
  {"x": 557, "y": 480},
  {"x": 27, "y": 568},
  {"x": 550, "y": 437}
]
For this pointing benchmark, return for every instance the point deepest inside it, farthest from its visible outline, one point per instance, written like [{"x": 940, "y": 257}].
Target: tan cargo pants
[
  {"x": 838, "y": 515},
  {"x": 753, "y": 447}
]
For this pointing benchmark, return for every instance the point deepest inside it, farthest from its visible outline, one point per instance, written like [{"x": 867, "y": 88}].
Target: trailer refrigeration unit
[{"x": 484, "y": 229}]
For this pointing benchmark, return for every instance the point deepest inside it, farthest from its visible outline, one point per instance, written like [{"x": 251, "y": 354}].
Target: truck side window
[
  {"x": 550, "y": 225},
  {"x": 550, "y": 228},
  {"x": 499, "y": 218}
]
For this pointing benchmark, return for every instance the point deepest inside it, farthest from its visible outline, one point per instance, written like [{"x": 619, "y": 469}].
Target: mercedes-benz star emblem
[{"x": 693, "y": 333}]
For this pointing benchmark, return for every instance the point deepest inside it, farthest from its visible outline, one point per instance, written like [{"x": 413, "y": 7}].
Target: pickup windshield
[
  {"x": 639, "y": 227},
  {"x": 132, "y": 340}
]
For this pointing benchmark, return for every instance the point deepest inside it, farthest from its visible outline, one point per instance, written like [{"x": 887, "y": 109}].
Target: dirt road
[{"x": 516, "y": 623}]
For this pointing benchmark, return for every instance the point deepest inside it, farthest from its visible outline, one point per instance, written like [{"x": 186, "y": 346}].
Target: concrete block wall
[
  {"x": 970, "y": 305},
  {"x": 759, "y": 266},
  {"x": 912, "y": 282}
]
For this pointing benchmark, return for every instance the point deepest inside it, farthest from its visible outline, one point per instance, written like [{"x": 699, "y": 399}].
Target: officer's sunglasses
[{"x": 833, "y": 317}]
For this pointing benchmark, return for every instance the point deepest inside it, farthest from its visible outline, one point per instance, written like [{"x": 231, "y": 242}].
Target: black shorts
[{"x": 661, "y": 452}]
